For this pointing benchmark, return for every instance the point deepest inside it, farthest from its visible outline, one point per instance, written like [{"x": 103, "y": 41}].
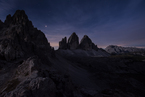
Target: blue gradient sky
[{"x": 106, "y": 22}]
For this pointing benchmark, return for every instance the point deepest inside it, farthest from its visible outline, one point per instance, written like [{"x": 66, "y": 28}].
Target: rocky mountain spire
[
  {"x": 8, "y": 19},
  {"x": 19, "y": 18},
  {"x": 19, "y": 37},
  {"x": 86, "y": 43},
  {"x": 73, "y": 41},
  {"x": 63, "y": 43}
]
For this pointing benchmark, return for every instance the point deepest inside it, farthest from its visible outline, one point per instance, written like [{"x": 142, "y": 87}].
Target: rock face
[
  {"x": 114, "y": 49},
  {"x": 95, "y": 47},
  {"x": 86, "y": 43},
  {"x": 73, "y": 41},
  {"x": 19, "y": 38},
  {"x": 63, "y": 43}
]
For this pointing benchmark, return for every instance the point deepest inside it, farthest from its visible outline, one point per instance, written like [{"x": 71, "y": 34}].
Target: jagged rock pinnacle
[
  {"x": 73, "y": 41},
  {"x": 19, "y": 18},
  {"x": 86, "y": 43},
  {"x": 63, "y": 43},
  {"x": 21, "y": 38}
]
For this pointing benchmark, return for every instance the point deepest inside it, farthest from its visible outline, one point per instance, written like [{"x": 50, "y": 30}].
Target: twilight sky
[{"x": 106, "y": 22}]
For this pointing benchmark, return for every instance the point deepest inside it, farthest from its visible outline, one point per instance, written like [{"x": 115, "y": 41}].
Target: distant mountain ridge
[
  {"x": 86, "y": 48},
  {"x": 73, "y": 43},
  {"x": 114, "y": 49}
]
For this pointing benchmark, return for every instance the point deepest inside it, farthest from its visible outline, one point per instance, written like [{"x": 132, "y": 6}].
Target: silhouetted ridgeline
[
  {"x": 86, "y": 48},
  {"x": 73, "y": 43}
]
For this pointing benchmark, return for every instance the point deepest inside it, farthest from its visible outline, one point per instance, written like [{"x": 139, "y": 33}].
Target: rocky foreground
[{"x": 29, "y": 66}]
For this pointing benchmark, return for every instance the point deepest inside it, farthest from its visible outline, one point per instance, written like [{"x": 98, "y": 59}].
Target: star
[{"x": 45, "y": 25}]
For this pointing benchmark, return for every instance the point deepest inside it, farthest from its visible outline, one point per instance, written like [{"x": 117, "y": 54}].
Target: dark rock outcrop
[
  {"x": 73, "y": 41},
  {"x": 19, "y": 38},
  {"x": 95, "y": 47},
  {"x": 86, "y": 43},
  {"x": 18, "y": 18},
  {"x": 63, "y": 43}
]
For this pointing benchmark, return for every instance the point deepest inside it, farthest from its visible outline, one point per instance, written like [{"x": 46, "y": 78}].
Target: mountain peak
[
  {"x": 74, "y": 33},
  {"x": 21, "y": 38},
  {"x": 72, "y": 36},
  {"x": 20, "y": 13},
  {"x": 18, "y": 18},
  {"x": 85, "y": 36},
  {"x": 63, "y": 43},
  {"x": 73, "y": 41},
  {"x": 86, "y": 39},
  {"x": 86, "y": 43}
]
